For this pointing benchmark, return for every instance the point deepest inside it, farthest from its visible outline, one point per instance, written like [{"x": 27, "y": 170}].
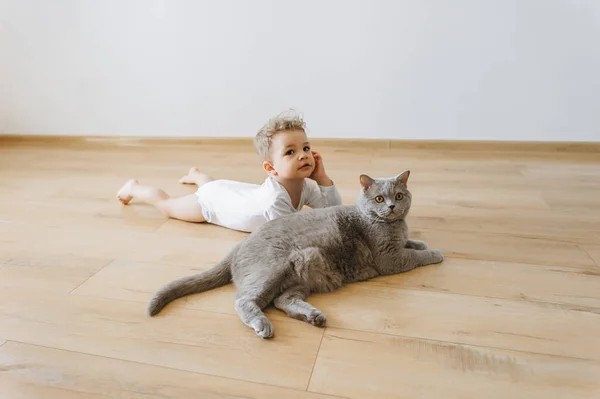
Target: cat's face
[{"x": 385, "y": 199}]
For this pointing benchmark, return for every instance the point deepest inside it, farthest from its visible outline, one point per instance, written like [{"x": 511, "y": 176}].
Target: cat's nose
[{"x": 392, "y": 207}]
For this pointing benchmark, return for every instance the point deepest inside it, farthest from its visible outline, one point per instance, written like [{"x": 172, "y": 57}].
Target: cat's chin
[
  {"x": 387, "y": 217},
  {"x": 391, "y": 216}
]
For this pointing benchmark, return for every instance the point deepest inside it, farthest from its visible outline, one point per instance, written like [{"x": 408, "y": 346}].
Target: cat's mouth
[{"x": 393, "y": 213}]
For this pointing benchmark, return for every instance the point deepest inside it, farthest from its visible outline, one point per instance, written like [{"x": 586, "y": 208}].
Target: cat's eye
[
  {"x": 399, "y": 196},
  {"x": 379, "y": 199}
]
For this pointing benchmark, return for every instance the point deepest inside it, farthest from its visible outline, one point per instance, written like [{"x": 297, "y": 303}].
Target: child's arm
[
  {"x": 322, "y": 197},
  {"x": 319, "y": 175},
  {"x": 278, "y": 208},
  {"x": 326, "y": 194}
]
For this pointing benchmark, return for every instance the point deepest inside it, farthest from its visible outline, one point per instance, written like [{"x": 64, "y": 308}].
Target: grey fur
[{"x": 320, "y": 250}]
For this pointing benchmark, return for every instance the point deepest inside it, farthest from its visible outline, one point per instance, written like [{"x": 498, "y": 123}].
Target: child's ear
[{"x": 269, "y": 168}]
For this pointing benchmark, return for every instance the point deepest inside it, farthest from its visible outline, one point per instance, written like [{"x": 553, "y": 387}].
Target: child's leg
[
  {"x": 185, "y": 208},
  {"x": 194, "y": 176}
]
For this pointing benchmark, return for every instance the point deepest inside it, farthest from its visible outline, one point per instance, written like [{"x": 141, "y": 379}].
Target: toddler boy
[{"x": 296, "y": 177}]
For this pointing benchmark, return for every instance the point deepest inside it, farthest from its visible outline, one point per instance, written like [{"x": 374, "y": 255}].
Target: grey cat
[{"x": 320, "y": 250}]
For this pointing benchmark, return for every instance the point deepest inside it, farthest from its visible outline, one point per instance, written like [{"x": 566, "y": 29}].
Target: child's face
[{"x": 291, "y": 156}]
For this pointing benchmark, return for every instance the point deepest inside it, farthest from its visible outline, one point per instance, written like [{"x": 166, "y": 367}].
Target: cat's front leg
[
  {"x": 409, "y": 259},
  {"x": 426, "y": 257},
  {"x": 415, "y": 244}
]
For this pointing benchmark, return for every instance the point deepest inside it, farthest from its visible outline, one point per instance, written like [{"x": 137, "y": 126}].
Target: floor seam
[
  {"x": 584, "y": 249},
  {"x": 312, "y": 371},
  {"x": 92, "y": 275}
]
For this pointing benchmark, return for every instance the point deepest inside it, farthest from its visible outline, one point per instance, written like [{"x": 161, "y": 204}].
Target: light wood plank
[
  {"x": 500, "y": 323},
  {"x": 500, "y": 247},
  {"x": 584, "y": 200},
  {"x": 380, "y": 366},
  {"x": 75, "y": 213},
  {"x": 210, "y": 343},
  {"x": 565, "y": 226},
  {"x": 38, "y": 372},
  {"x": 113, "y": 244},
  {"x": 594, "y": 253},
  {"x": 45, "y": 272},
  {"x": 569, "y": 174},
  {"x": 551, "y": 284},
  {"x": 137, "y": 281},
  {"x": 477, "y": 196},
  {"x": 177, "y": 228}
]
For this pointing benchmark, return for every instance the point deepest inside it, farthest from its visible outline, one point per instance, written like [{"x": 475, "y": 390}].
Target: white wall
[{"x": 426, "y": 69}]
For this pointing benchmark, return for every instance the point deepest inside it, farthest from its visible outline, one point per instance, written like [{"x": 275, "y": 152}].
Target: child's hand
[{"x": 318, "y": 173}]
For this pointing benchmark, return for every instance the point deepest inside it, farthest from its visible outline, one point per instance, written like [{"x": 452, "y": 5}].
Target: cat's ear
[
  {"x": 403, "y": 178},
  {"x": 365, "y": 182}
]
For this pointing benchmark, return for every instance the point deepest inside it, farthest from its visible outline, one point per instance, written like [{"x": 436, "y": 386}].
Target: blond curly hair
[{"x": 287, "y": 120}]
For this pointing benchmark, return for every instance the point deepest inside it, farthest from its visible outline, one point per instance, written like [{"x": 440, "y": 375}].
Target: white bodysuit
[{"x": 245, "y": 206}]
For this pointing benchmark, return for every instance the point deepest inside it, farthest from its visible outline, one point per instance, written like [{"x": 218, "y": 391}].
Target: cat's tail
[{"x": 215, "y": 277}]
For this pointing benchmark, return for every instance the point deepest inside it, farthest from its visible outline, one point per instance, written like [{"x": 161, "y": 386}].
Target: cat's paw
[
  {"x": 317, "y": 318},
  {"x": 418, "y": 245},
  {"x": 263, "y": 327},
  {"x": 436, "y": 255}
]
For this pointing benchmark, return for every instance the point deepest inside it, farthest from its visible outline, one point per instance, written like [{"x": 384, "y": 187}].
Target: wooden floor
[{"x": 513, "y": 311}]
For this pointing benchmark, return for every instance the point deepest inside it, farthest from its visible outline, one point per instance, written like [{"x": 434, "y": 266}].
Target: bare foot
[
  {"x": 124, "y": 194},
  {"x": 194, "y": 176}
]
